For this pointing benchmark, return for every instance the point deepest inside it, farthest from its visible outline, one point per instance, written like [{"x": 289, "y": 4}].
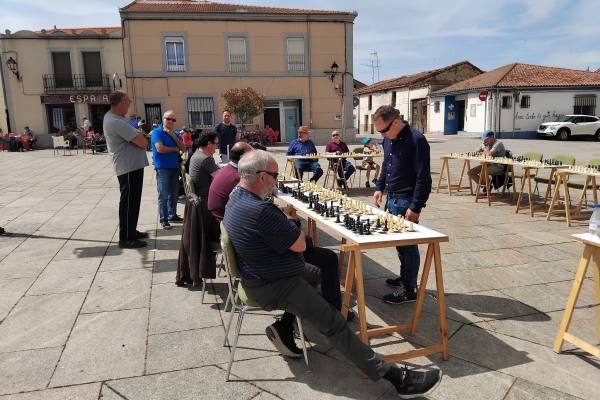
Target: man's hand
[
  {"x": 290, "y": 211},
  {"x": 412, "y": 216},
  {"x": 377, "y": 196}
]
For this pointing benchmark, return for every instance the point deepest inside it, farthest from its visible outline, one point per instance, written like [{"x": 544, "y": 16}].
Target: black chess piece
[
  {"x": 337, "y": 218},
  {"x": 385, "y": 227},
  {"x": 368, "y": 227},
  {"x": 378, "y": 224},
  {"x": 360, "y": 229}
]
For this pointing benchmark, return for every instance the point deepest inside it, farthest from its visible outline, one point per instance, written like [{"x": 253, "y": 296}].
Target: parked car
[{"x": 571, "y": 125}]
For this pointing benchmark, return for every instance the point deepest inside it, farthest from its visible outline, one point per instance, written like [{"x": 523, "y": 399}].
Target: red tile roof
[
  {"x": 199, "y": 6},
  {"x": 79, "y": 31},
  {"x": 409, "y": 80},
  {"x": 526, "y": 75}
]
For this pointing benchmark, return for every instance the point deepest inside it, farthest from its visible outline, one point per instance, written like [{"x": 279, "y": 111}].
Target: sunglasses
[
  {"x": 273, "y": 175},
  {"x": 171, "y": 119},
  {"x": 387, "y": 128},
  {"x": 336, "y": 135}
]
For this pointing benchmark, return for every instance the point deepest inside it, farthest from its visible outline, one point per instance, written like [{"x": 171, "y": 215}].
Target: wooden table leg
[
  {"x": 583, "y": 194},
  {"x": 555, "y": 197},
  {"x": 444, "y": 166},
  {"x": 595, "y": 191},
  {"x": 549, "y": 186},
  {"x": 567, "y": 197},
  {"x": 572, "y": 301},
  {"x": 350, "y": 271},
  {"x": 462, "y": 174},
  {"x": 448, "y": 178},
  {"x": 360, "y": 295},
  {"x": 479, "y": 182},
  {"x": 529, "y": 195},
  {"x": 597, "y": 290},
  {"x": 341, "y": 262},
  {"x": 487, "y": 183},
  {"x": 439, "y": 282},
  {"x": 470, "y": 180},
  {"x": 526, "y": 171},
  {"x": 422, "y": 289}
]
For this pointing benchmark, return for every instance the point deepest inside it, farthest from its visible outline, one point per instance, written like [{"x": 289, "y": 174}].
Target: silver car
[{"x": 571, "y": 125}]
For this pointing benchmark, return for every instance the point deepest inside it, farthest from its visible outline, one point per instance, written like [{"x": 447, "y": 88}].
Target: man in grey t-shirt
[
  {"x": 493, "y": 148},
  {"x": 202, "y": 164},
  {"x": 127, "y": 146}
]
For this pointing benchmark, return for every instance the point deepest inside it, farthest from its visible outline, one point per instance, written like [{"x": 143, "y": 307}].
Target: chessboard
[{"x": 353, "y": 218}]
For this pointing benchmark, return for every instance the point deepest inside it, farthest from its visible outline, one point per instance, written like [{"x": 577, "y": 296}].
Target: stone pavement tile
[
  {"x": 545, "y": 253},
  {"x": 575, "y": 249},
  {"x": 177, "y": 309},
  {"x": 542, "y": 328},
  {"x": 119, "y": 290},
  {"x": 79, "y": 392},
  {"x": 109, "y": 394},
  {"x": 200, "y": 347},
  {"x": 119, "y": 259},
  {"x": 27, "y": 370},
  {"x": 40, "y": 321},
  {"x": 527, "y": 360},
  {"x": 544, "y": 272},
  {"x": 74, "y": 249},
  {"x": 63, "y": 276},
  {"x": 552, "y": 296},
  {"x": 489, "y": 258},
  {"x": 326, "y": 379},
  {"x": 545, "y": 237},
  {"x": 11, "y": 291},
  {"x": 265, "y": 396},
  {"x": 192, "y": 384},
  {"x": 462, "y": 380},
  {"x": 102, "y": 346},
  {"x": 481, "y": 306},
  {"x": 165, "y": 269},
  {"x": 525, "y": 390}
]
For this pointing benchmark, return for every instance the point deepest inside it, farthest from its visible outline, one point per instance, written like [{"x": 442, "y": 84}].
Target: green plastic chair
[
  {"x": 564, "y": 159},
  {"x": 240, "y": 301},
  {"x": 533, "y": 156}
]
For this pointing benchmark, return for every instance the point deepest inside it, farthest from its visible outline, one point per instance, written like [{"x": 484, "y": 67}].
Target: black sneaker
[
  {"x": 400, "y": 296},
  {"x": 367, "y": 184},
  {"x": 411, "y": 383},
  {"x": 166, "y": 225},
  {"x": 141, "y": 235},
  {"x": 394, "y": 282},
  {"x": 176, "y": 218},
  {"x": 282, "y": 337},
  {"x": 132, "y": 244}
]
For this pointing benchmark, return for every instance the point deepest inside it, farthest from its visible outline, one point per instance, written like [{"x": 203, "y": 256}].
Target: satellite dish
[{"x": 355, "y": 101}]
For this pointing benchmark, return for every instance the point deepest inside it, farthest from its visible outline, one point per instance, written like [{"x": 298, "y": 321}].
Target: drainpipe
[
  {"x": 308, "y": 63},
  {"x": 498, "y": 111}
]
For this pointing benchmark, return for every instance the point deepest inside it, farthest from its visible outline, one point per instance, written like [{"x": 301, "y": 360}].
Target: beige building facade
[
  {"x": 183, "y": 55},
  {"x": 53, "y": 78}
]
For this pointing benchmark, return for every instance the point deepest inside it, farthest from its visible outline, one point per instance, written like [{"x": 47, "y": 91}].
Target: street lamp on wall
[
  {"x": 333, "y": 70},
  {"x": 13, "y": 66}
]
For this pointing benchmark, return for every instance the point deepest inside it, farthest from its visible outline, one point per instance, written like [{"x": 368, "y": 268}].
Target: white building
[
  {"x": 513, "y": 100},
  {"x": 408, "y": 94}
]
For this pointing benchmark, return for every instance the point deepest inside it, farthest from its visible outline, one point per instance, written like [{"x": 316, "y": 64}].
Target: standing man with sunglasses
[
  {"x": 406, "y": 177},
  {"x": 166, "y": 145}
]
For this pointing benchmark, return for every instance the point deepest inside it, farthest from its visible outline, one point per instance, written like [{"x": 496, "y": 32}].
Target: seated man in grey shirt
[
  {"x": 493, "y": 148},
  {"x": 202, "y": 164}
]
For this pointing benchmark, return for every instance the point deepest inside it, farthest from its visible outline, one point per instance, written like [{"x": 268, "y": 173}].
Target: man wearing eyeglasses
[
  {"x": 345, "y": 169},
  {"x": 406, "y": 177},
  {"x": 166, "y": 145},
  {"x": 268, "y": 248},
  {"x": 301, "y": 147}
]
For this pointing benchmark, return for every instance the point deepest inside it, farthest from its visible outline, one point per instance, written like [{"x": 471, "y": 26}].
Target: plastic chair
[
  {"x": 240, "y": 301},
  {"x": 59, "y": 142}
]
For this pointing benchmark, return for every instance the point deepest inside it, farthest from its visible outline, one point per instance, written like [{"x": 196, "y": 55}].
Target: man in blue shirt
[
  {"x": 227, "y": 136},
  {"x": 268, "y": 249},
  {"x": 301, "y": 147},
  {"x": 166, "y": 145},
  {"x": 406, "y": 177}
]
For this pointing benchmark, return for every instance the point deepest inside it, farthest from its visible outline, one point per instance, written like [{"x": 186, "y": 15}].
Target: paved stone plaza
[{"x": 82, "y": 319}]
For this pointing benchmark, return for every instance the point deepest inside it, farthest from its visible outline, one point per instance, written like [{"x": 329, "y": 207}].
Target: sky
[{"x": 408, "y": 36}]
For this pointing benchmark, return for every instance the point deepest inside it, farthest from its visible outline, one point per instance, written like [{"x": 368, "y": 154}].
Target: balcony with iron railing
[
  {"x": 57, "y": 83},
  {"x": 237, "y": 63},
  {"x": 295, "y": 62}
]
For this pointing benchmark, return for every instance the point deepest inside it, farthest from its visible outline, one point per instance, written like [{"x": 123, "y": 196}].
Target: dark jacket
[{"x": 198, "y": 240}]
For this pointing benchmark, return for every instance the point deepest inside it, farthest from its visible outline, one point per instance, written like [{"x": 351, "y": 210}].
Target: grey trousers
[{"x": 296, "y": 296}]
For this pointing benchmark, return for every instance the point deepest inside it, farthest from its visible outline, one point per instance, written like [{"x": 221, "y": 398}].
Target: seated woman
[{"x": 368, "y": 163}]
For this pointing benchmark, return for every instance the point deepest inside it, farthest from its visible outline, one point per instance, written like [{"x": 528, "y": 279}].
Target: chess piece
[{"x": 385, "y": 226}]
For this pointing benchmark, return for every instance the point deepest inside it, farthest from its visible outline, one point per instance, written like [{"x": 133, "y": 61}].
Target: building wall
[
  {"x": 34, "y": 60},
  {"x": 206, "y": 66},
  {"x": 436, "y": 119},
  {"x": 545, "y": 105}
]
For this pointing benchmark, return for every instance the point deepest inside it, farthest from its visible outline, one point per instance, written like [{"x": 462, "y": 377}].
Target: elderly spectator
[
  {"x": 301, "y": 147},
  {"x": 202, "y": 164}
]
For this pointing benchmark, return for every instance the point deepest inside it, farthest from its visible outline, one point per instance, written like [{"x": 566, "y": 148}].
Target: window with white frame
[
  {"x": 295, "y": 54},
  {"x": 175, "y": 49},
  {"x": 236, "y": 48},
  {"x": 200, "y": 112},
  {"x": 525, "y": 101},
  {"x": 507, "y": 101},
  {"x": 585, "y": 104}
]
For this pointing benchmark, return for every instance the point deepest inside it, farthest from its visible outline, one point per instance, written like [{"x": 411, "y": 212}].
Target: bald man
[{"x": 225, "y": 180}]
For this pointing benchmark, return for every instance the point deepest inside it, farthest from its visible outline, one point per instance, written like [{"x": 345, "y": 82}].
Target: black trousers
[
  {"x": 327, "y": 261},
  {"x": 130, "y": 185}
]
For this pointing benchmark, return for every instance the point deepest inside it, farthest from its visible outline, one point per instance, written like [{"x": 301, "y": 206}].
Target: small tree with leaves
[{"x": 244, "y": 103}]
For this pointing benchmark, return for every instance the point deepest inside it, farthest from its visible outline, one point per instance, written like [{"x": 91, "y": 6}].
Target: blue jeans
[
  {"x": 167, "y": 185},
  {"x": 408, "y": 255},
  {"x": 307, "y": 165},
  {"x": 347, "y": 168}
]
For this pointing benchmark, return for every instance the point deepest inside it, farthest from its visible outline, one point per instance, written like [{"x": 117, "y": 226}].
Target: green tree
[{"x": 244, "y": 103}]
